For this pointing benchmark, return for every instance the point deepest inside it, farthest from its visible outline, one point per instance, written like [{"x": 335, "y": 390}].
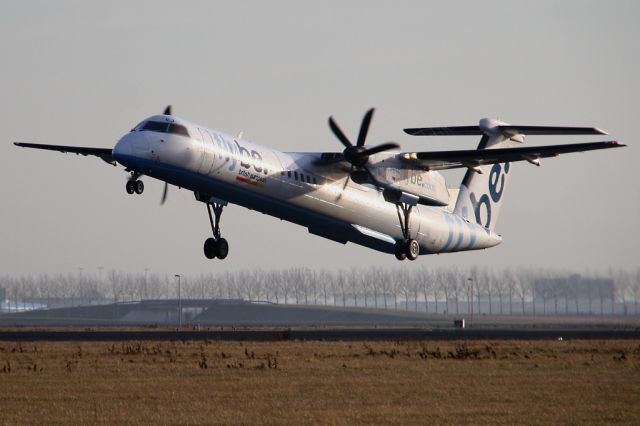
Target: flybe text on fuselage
[{"x": 238, "y": 152}]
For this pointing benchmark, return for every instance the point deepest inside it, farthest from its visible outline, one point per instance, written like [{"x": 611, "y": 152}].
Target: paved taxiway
[{"x": 329, "y": 334}]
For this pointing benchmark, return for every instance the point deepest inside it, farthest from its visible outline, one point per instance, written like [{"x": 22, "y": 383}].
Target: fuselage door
[
  {"x": 199, "y": 136},
  {"x": 208, "y": 156}
]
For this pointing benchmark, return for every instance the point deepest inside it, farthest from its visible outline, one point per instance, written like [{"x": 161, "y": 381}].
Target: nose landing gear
[{"x": 134, "y": 185}]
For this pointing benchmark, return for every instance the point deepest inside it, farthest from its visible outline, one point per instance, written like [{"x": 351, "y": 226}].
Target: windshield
[{"x": 162, "y": 127}]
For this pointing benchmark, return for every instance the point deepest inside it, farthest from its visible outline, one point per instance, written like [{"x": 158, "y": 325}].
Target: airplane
[{"x": 392, "y": 201}]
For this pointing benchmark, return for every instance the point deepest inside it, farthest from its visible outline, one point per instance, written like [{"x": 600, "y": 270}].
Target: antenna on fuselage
[
  {"x": 167, "y": 110},
  {"x": 240, "y": 135}
]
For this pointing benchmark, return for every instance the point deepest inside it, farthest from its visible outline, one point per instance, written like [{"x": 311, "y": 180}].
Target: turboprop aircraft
[{"x": 376, "y": 196}]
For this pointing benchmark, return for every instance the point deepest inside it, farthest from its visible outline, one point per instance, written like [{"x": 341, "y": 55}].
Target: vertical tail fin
[{"x": 482, "y": 188}]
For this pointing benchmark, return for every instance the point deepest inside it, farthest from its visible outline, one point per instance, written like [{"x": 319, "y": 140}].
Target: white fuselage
[{"x": 293, "y": 187}]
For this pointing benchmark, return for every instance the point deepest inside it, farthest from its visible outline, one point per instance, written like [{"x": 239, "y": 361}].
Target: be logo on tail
[{"x": 485, "y": 195}]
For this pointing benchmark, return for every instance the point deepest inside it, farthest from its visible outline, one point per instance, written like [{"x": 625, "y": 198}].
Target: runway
[{"x": 324, "y": 334}]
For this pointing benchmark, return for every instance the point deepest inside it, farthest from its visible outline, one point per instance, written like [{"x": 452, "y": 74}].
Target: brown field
[{"x": 497, "y": 383}]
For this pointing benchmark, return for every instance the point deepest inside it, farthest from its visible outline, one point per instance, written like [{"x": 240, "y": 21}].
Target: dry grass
[{"x": 503, "y": 383}]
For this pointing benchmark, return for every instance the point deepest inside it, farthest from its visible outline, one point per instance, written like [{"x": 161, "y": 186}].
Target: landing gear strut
[
  {"x": 407, "y": 248},
  {"x": 216, "y": 246},
  {"x": 134, "y": 185}
]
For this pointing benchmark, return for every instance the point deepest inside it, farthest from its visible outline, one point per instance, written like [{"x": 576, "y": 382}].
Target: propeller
[
  {"x": 164, "y": 193},
  {"x": 358, "y": 154}
]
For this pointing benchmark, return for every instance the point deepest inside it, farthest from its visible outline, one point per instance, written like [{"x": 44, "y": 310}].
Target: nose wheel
[
  {"x": 134, "y": 185},
  {"x": 216, "y": 246}
]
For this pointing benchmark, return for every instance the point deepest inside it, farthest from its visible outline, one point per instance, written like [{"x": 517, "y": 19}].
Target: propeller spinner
[{"x": 358, "y": 155}]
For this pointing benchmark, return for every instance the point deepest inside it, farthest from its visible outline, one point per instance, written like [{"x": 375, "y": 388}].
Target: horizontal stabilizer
[{"x": 507, "y": 130}]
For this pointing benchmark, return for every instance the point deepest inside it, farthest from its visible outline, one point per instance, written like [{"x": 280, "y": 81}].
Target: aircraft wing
[
  {"x": 505, "y": 129},
  {"x": 439, "y": 160},
  {"x": 104, "y": 154}
]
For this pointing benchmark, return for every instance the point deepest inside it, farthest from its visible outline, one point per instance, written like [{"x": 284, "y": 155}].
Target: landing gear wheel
[
  {"x": 130, "y": 187},
  {"x": 412, "y": 249},
  {"x": 221, "y": 248},
  {"x": 139, "y": 187},
  {"x": 400, "y": 252},
  {"x": 210, "y": 248}
]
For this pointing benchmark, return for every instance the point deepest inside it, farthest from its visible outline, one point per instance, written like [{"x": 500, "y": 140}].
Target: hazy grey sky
[{"x": 83, "y": 73}]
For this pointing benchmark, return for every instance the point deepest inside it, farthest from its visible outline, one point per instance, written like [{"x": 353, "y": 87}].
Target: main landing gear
[
  {"x": 216, "y": 246},
  {"x": 407, "y": 248},
  {"x": 134, "y": 185}
]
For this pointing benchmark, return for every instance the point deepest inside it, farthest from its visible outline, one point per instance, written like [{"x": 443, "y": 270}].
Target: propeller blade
[
  {"x": 346, "y": 181},
  {"x": 167, "y": 110},
  {"x": 379, "y": 148},
  {"x": 336, "y": 131},
  {"x": 372, "y": 177},
  {"x": 364, "y": 127},
  {"x": 164, "y": 193}
]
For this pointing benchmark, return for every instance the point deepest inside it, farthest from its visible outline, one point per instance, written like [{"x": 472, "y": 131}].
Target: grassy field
[{"x": 497, "y": 383}]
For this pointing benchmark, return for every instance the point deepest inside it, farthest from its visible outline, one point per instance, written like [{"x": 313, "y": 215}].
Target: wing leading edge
[
  {"x": 104, "y": 154},
  {"x": 440, "y": 160}
]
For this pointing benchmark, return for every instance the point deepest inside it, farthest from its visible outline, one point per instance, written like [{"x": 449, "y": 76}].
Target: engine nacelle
[{"x": 429, "y": 187}]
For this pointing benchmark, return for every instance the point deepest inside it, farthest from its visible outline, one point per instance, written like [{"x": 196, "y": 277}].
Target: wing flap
[{"x": 104, "y": 154}]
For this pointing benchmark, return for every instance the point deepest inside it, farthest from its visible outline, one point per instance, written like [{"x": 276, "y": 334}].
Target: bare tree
[
  {"x": 635, "y": 291},
  {"x": 324, "y": 280},
  {"x": 353, "y": 284},
  {"x": 520, "y": 289},
  {"x": 424, "y": 279},
  {"x": 500, "y": 287}
]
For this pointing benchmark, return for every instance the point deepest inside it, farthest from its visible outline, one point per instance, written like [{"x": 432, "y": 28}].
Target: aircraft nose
[{"x": 123, "y": 149}]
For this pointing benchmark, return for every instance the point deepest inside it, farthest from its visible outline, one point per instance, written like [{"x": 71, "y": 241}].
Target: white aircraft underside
[{"x": 390, "y": 201}]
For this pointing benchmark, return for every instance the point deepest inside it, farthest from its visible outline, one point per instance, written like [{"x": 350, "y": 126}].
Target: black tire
[
  {"x": 130, "y": 187},
  {"x": 222, "y": 248},
  {"x": 139, "y": 187},
  {"x": 399, "y": 250},
  {"x": 412, "y": 249},
  {"x": 210, "y": 248}
]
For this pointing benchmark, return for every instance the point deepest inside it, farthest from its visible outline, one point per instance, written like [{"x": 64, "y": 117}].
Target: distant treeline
[{"x": 444, "y": 291}]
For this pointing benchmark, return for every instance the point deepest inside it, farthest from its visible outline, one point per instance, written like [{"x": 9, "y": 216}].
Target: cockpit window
[
  {"x": 155, "y": 126},
  {"x": 178, "y": 129},
  {"x": 159, "y": 126}
]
